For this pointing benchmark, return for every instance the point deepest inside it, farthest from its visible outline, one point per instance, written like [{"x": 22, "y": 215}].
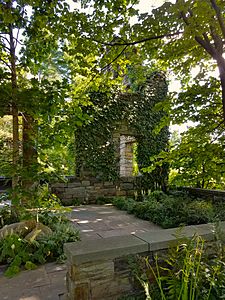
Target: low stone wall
[
  {"x": 214, "y": 195},
  {"x": 98, "y": 269},
  {"x": 91, "y": 189}
]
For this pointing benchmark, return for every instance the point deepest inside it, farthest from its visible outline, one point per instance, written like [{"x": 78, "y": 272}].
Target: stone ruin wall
[
  {"x": 90, "y": 190},
  {"x": 87, "y": 189}
]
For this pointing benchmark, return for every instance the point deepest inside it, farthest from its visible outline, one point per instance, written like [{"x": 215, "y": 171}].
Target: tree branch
[
  {"x": 5, "y": 63},
  {"x": 157, "y": 37},
  {"x": 218, "y": 42},
  {"x": 109, "y": 64},
  {"x": 4, "y": 46},
  {"x": 17, "y": 40},
  {"x": 206, "y": 45},
  {"x": 219, "y": 16},
  {"x": 2, "y": 35}
]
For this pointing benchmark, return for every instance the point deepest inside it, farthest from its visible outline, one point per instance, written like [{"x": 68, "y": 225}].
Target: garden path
[
  {"x": 102, "y": 221},
  {"x": 48, "y": 281}
]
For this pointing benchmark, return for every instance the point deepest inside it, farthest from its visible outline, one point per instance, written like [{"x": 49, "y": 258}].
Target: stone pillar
[{"x": 95, "y": 270}]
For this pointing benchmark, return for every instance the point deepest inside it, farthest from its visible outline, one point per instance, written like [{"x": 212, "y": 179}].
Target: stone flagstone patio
[
  {"x": 102, "y": 221},
  {"x": 48, "y": 281}
]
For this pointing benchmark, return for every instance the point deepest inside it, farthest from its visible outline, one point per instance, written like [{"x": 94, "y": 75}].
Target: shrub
[
  {"x": 18, "y": 252},
  {"x": 120, "y": 202},
  {"x": 51, "y": 246},
  {"x": 131, "y": 206},
  {"x": 199, "y": 212},
  {"x": 172, "y": 210},
  {"x": 157, "y": 195}
]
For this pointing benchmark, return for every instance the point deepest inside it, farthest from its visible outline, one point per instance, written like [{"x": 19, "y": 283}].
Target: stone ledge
[
  {"x": 118, "y": 246},
  {"x": 204, "y": 192},
  {"x": 163, "y": 238},
  {"x": 104, "y": 249}
]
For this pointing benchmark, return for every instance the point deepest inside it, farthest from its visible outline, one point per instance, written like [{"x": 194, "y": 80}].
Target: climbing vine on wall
[{"x": 95, "y": 143}]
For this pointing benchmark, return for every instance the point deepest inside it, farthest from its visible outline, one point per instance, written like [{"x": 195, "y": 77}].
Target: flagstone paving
[
  {"x": 48, "y": 281},
  {"x": 102, "y": 221},
  {"x": 45, "y": 283}
]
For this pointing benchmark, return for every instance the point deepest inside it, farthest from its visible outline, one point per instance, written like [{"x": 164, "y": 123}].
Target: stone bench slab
[{"x": 104, "y": 249}]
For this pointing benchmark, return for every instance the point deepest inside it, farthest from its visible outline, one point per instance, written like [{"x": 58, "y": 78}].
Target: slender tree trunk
[
  {"x": 221, "y": 67},
  {"x": 14, "y": 109},
  {"x": 29, "y": 150}
]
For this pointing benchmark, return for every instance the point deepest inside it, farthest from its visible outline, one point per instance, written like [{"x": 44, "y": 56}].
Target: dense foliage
[
  {"x": 172, "y": 210},
  {"x": 19, "y": 251},
  {"x": 96, "y": 144},
  {"x": 192, "y": 269}
]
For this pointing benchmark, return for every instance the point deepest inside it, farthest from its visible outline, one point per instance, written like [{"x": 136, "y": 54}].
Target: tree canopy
[{"x": 52, "y": 55}]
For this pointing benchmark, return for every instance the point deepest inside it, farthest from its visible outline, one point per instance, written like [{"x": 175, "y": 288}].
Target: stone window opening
[{"x": 128, "y": 164}]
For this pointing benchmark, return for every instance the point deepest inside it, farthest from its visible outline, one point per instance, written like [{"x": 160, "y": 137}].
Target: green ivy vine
[{"x": 95, "y": 143}]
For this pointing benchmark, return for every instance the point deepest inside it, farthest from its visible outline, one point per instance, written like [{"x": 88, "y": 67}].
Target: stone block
[
  {"x": 108, "y": 184},
  {"x": 79, "y": 191},
  {"x": 126, "y": 186},
  {"x": 74, "y": 184},
  {"x": 80, "y": 291},
  {"x": 60, "y": 190},
  {"x": 98, "y": 184},
  {"x": 129, "y": 179},
  {"x": 109, "y": 289},
  {"x": 162, "y": 239},
  {"x": 66, "y": 196},
  {"x": 121, "y": 193},
  {"x": 85, "y": 183},
  {"x": 72, "y": 178},
  {"x": 108, "y": 192},
  {"x": 59, "y": 185},
  {"x": 93, "y": 271},
  {"x": 130, "y": 193},
  {"x": 107, "y": 248},
  {"x": 90, "y": 188}
]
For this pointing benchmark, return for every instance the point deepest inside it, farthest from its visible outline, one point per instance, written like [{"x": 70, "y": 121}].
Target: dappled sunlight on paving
[
  {"x": 101, "y": 221},
  {"x": 83, "y": 222},
  {"x": 30, "y": 298}
]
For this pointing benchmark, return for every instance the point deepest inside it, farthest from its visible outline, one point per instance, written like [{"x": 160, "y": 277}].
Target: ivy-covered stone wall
[{"x": 115, "y": 114}]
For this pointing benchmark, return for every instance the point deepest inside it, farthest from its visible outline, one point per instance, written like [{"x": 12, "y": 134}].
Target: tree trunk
[
  {"x": 221, "y": 67},
  {"x": 29, "y": 151},
  {"x": 15, "y": 120},
  {"x": 14, "y": 109}
]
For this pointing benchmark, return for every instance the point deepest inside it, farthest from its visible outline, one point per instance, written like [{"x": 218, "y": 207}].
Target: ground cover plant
[
  {"x": 172, "y": 210},
  {"x": 29, "y": 243},
  {"x": 35, "y": 235}
]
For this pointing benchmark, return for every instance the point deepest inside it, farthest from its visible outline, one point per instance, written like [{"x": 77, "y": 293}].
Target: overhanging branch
[
  {"x": 156, "y": 37},
  {"x": 109, "y": 64}
]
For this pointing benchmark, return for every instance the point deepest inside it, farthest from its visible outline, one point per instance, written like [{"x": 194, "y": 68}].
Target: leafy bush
[
  {"x": 171, "y": 210},
  {"x": 122, "y": 202},
  {"x": 18, "y": 252},
  {"x": 51, "y": 246},
  {"x": 199, "y": 212}
]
